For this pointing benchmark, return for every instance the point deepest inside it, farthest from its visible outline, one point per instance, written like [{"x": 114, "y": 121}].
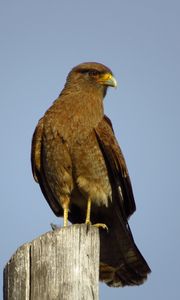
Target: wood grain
[{"x": 61, "y": 264}]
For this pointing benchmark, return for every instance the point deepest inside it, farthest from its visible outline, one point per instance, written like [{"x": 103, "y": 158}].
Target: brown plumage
[{"x": 82, "y": 173}]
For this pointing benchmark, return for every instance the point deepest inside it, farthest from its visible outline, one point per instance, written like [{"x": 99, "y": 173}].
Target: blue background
[{"x": 40, "y": 41}]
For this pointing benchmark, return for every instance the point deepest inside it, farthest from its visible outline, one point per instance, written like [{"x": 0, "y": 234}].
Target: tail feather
[{"x": 121, "y": 261}]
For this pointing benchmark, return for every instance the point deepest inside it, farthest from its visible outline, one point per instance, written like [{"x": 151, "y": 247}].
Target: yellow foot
[
  {"x": 88, "y": 222},
  {"x": 101, "y": 225}
]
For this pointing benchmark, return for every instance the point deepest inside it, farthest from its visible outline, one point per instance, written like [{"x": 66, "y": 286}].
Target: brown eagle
[{"x": 82, "y": 173}]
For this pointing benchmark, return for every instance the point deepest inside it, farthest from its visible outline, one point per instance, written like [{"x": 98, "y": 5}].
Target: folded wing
[{"x": 121, "y": 261}]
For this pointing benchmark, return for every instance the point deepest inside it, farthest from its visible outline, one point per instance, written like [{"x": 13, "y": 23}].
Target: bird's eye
[{"x": 93, "y": 73}]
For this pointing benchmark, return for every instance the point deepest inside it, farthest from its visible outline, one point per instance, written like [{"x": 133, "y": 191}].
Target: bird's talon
[
  {"x": 101, "y": 225},
  {"x": 54, "y": 226}
]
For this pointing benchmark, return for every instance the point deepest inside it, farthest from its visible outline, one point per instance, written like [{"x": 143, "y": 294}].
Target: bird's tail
[{"x": 121, "y": 263}]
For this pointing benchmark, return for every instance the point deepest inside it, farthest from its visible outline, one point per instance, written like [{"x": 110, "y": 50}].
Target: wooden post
[{"x": 61, "y": 264}]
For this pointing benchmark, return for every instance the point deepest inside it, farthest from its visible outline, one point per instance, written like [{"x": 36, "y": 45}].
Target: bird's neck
[
  {"x": 80, "y": 110},
  {"x": 86, "y": 103}
]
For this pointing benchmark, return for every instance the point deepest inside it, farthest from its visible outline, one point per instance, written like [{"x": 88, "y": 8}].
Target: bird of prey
[{"x": 82, "y": 173}]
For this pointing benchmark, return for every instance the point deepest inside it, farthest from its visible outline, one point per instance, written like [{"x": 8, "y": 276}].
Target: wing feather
[
  {"x": 38, "y": 170},
  {"x": 116, "y": 164},
  {"x": 121, "y": 262}
]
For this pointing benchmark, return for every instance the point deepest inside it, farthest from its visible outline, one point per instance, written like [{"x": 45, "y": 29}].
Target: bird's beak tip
[
  {"x": 109, "y": 80},
  {"x": 114, "y": 82}
]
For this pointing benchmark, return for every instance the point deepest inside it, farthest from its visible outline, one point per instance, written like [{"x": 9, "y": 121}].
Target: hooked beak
[{"x": 107, "y": 79}]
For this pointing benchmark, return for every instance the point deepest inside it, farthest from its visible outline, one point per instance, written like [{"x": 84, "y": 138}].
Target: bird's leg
[
  {"x": 88, "y": 212},
  {"x": 65, "y": 205},
  {"x": 88, "y": 215},
  {"x": 65, "y": 216}
]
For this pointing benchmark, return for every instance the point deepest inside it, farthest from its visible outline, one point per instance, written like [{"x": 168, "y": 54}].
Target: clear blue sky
[{"x": 140, "y": 41}]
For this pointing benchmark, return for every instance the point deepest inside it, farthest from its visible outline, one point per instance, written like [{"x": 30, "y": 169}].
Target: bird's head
[{"x": 92, "y": 75}]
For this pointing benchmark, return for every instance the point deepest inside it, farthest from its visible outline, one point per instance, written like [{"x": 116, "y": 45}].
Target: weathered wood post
[{"x": 61, "y": 264}]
